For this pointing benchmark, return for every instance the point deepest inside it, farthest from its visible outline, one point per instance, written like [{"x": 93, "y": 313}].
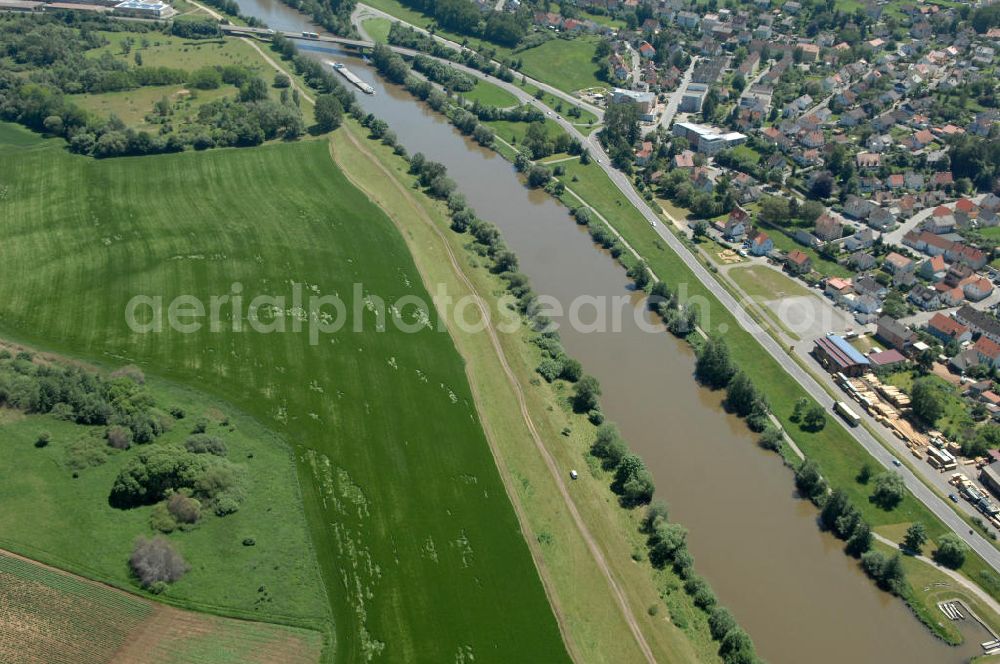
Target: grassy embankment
[
  {"x": 51, "y": 616},
  {"x": 377, "y": 29},
  {"x": 417, "y": 542},
  {"x": 595, "y": 625},
  {"x": 839, "y": 456}
]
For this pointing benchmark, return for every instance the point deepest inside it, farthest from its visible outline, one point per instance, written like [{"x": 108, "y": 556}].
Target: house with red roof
[
  {"x": 967, "y": 255},
  {"x": 761, "y": 243},
  {"x": 798, "y": 262},
  {"x": 978, "y": 289},
  {"x": 988, "y": 352},
  {"x": 933, "y": 269},
  {"x": 948, "y": 329}
]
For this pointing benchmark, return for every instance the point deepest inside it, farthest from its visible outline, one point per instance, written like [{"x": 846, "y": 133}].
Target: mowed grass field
[
  {"x": 50, "y": 617},
  {"x": 567, "y": 64},
  {"x": 418, "y": 543},
  {"x": 489, "y": 94}
]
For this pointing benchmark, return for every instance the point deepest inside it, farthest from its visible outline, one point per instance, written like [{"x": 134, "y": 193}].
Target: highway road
[{"x": 922, "y": 492}]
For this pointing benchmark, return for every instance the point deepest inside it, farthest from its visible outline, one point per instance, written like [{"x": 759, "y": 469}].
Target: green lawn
[
  {"x": 377, "y": 29},
  {"x": 764, "y": 284},
  {"x": 514, "y": 132},
  {"x": 567, "y": 64},
  {"x": 838, "y": 455},
  {"x": 488, "y": 94},
  {"x": 418, "y": 544},
  {"x": 162, "y": 50}
]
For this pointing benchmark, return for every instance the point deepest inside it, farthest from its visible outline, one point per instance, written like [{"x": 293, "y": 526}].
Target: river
[{"x": 790, "y": 585}]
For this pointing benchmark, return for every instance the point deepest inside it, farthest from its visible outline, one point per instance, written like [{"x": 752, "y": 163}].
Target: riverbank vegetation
[
  {"x": 830, "y": 449},
  {"x": 629, "y": 479}
]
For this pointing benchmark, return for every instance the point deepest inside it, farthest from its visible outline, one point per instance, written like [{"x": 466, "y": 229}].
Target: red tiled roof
[
  {"x": 947, "y": 325},
  {"x": 988, "y": 347}
]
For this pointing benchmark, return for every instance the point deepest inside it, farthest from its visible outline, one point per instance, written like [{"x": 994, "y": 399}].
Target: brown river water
[{"x": 790, "y": 585}]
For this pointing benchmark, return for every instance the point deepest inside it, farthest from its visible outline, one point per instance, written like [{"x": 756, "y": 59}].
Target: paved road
[
  {"x": 922, "y": 492},
  {"x": 674, "y": 101},
  {"x": 565, "y": 96}
]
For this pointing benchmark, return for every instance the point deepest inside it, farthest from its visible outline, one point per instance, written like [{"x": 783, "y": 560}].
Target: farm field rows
[
  {"x": 51, "y": 617},
  {"x": 416, "y": 538}
]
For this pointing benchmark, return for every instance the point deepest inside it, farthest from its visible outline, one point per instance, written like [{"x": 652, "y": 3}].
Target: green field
[
  {"x": 51, "y": 616},
  {"x": 566, "y": 64},
  {"x": 132, "y": 106},
  {"x": 514, "y": 132},
  {"x": 419, "y": 547},
  {"x": 377, "y": 29},
  {"x": 489, "y": 94},
  {"x": 764, "y": 284}
]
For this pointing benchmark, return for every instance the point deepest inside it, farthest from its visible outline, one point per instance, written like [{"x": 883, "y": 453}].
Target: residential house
[
  {"x": 925, "y": 298},
  {"x": 797, "y": 262},
  {"x": 979, "y": 322},
  {"x": 949, "y": 297},
  {"x": 988, "y": 352},
  {"x": 968, "y": 255},
  {"x": 761, "y": 243},
  {"x": 828, "y": 228},
  {"x": 896, "y": 263},
  {"x": 861, "y": 261},
  {"x": 837, "y": 288},
  {"x": 881, "y": 218},
  {"x": 948, "y": 329},
  {"x": 643, "y": 154},
  {"x": 857, "y": 207},
  {"x": 868, "y": 161},
  {"x": 933, "y": 269},
  {"x": 684, "y": 160},
  {"x": 737, "y": 225},
  {"x": 894, "y": 334},
  {"x": 978, "y": 289},
  {"x": 941, "y": 221},
  {"x": 860, "y": 240}
]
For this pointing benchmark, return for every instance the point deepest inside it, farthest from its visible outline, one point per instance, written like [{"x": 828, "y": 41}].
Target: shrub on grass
[
  {"x": 184, "y": 508},
  {"x": 156, "y": 561},
  {"x": 204, "y": 444},
  {"x": 119, "y": 437}
]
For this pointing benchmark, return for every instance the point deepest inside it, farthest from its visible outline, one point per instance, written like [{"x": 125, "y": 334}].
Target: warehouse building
[{"x": 838, "y": 356}]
